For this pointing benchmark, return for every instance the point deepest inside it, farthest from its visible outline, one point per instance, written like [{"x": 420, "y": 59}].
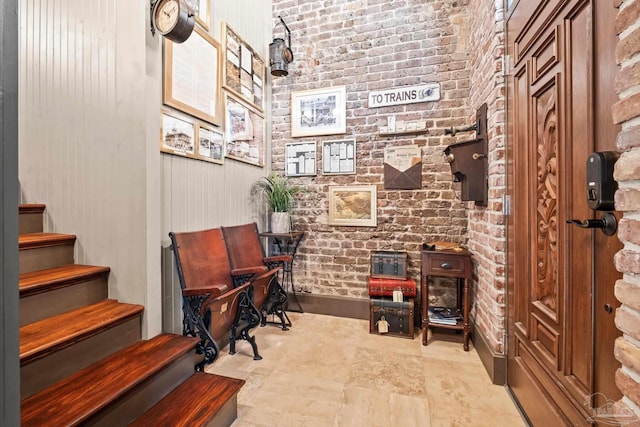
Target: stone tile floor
[{"x": 329, "y": 371}]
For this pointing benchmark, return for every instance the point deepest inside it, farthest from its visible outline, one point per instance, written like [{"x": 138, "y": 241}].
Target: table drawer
[{"x": 447, "y": 265}]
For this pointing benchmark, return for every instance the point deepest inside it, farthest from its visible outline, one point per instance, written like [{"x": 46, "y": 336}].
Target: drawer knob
[{"x": 445, "y": 266}]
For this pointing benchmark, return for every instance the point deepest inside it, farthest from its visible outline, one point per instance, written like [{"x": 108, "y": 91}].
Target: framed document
[
  {"x": 300, "y": 158},
  {"x": 192, "y": 76},
  {"x": 243, "y": 70},
  {"x": 339, "y": 157}
]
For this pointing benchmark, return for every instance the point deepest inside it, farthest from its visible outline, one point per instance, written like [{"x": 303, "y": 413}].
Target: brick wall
[
  {"x": 366, "y": 46},
  {"x": 626, "y": 112},
  {"x": 487, "y": 225}
]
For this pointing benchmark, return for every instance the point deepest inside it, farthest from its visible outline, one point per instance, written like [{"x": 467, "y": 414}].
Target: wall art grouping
[
  {"x": 182, "y": 135},
  {"x": 204, "y": 121}
]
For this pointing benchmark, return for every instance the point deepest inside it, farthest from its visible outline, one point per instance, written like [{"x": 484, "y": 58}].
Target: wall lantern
[{"x": 280, "y": 53}]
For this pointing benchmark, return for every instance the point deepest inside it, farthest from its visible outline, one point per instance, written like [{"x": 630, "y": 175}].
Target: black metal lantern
[{"x": 280, "y": 53}]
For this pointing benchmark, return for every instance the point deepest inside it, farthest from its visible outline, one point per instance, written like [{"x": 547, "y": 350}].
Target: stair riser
[
  {"x": 47, "y": 257},
  {"x": 129, "y": 407},
  {"x": 40, "y": 306},
  {"x": 227, "y": 414},
  {"x": 30, "y": 223},
  {"x": 45, "y": 371}
]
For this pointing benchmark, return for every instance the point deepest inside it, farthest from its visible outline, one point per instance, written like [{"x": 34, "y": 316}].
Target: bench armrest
[
  {"x": 212, "y": 290},
  {"x": 248, "y": 270},
  {"x": 266, "y": 274},
  {"x": 278, "y": 258}
]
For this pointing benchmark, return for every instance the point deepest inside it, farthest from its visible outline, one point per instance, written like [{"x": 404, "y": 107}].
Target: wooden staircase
[{"x": 82, "y": 359}]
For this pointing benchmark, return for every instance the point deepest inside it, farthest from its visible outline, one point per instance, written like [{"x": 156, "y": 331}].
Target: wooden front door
[{"x": 561, "y": 278}]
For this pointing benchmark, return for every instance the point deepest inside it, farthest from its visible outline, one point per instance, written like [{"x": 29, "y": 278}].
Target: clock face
[{"x": 166, "y": 15}]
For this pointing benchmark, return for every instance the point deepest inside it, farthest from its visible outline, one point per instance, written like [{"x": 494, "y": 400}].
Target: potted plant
[{"x": 279, "y": 194}]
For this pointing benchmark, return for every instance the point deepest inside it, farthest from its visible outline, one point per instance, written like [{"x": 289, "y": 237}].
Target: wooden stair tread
[
  {"x": 31, "y": 208},
  {"x": 52, "y": 278},
  {"x": 46, "y": 336},
  {"x": 83, "y": 394},
  {"x": 42, "y": 240},
  {"x": 192, "y": 403}
]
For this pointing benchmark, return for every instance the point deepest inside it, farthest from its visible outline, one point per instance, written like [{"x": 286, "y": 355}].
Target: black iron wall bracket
[{"x": 468, "y": 160}]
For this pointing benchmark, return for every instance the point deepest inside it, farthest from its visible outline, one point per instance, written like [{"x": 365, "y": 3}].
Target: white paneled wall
[
  {"x": 90, "y": 97},
  {"x": 198, "y": 195}
]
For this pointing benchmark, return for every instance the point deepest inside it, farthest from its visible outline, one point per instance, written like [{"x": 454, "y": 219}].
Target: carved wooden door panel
[{"x": 560, "y": 88}]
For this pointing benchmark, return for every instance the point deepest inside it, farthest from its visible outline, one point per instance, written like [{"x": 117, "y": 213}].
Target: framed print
[
  {"x": 353, "y": 205},
  {"x": 300, "y": 158},
  {"x": 245, "y": 132},
  {"x": 339, "y": 157},
  {"x": 243, "y": 70},
  {"x": 210, "y": 145},
  {"x": 202, "y": 17},
  {"x": 177, "y": 135},
  {"x": 192, "y": 76},
  {"x": 318, "y": 111}
]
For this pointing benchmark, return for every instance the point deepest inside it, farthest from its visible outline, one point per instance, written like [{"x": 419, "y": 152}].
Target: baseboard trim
[
  {"x": 494, "y": 363},
  {"x": 354, "y": 308}
]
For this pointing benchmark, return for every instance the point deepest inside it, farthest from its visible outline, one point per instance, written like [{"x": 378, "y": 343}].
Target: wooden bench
[
  {"x": 247, "y": 259},
  {"x": 212, "y": 306}
]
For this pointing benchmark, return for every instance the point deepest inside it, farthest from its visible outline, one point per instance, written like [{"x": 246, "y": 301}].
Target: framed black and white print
[
  {"x": 177, "y": 135},
  {"x": 211, "y": 146},
  {"x": 318, "y": 111}
]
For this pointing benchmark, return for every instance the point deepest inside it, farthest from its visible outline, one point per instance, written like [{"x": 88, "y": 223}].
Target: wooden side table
[{"x": 447, "y": 263}]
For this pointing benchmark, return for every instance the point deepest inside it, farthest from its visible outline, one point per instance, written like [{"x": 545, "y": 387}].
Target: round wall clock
[{"x": 174, "y": 19}]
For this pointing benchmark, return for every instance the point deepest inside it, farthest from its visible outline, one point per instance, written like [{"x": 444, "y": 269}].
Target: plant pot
[{"x": 280, "y": 222}]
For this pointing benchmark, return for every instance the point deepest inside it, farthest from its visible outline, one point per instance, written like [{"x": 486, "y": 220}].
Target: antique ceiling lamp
[{"x": 280, "y": 53}]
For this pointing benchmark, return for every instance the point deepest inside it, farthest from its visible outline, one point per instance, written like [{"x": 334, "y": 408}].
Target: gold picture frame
[
  {"x": 210, "y": 143},
  {"x": 243, "y": 70},
  {"x": 203, "y": 17},
  {"x": 177, "y": 135},
  {"x": 245, "y": 131},
  {"x": 192, "y": 76},
  {"x": 353, "y": 205}
]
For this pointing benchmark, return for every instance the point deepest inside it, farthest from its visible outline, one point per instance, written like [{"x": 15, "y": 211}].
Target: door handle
[{"x": 607, "y": 223}]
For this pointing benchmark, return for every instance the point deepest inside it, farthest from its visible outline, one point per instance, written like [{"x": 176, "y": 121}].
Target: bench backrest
[
  {"x": 201, "y": 259},
  {"x": 243, "y": 245}
]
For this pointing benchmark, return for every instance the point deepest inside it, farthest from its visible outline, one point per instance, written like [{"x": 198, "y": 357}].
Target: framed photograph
[
  {"x": 203, "y": 17},
  {"x": 177, "y": 135},
  {"x": 353, "y": 205},
  {"x": 300, "y": 158},
  {"x": 339, "y": 157},
  {"x": 192, "y": 76},
  {"x": 243, "y": 70},
  {"x": 211, "y": 146},
  {"x": 245, "y": 132},
  {"x": 318, "y": 112}
]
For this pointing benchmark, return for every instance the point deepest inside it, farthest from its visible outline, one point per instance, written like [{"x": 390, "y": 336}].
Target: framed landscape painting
[{"x": 353, "y": 205}]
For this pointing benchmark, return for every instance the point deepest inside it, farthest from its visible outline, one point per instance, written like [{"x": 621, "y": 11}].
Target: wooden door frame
[{"x": 9, "y": 358}]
